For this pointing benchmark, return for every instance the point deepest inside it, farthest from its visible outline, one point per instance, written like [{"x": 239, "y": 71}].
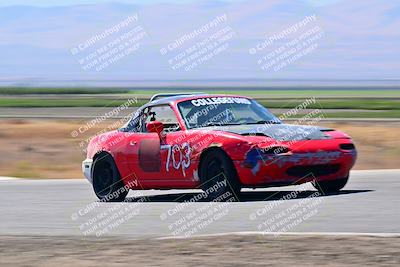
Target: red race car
[{"x": 219, "y": 143}]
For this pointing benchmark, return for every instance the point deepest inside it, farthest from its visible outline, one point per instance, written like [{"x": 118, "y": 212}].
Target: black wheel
[
  {"x": 333, "y": 186},
  {"x": 107, "y": 182},
  {"x": 218, "y": 177}
]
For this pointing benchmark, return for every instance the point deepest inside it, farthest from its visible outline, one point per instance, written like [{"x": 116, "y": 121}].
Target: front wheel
[
  {"x": 107, "y": 182},
  {"x": 333, "y": 186},
  {"x": 218, "y": 178}
]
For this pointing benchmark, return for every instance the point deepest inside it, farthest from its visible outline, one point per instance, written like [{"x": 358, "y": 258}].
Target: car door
[
  {"x": 140, "y": 150},
  {"x": 160, "y": 162}
]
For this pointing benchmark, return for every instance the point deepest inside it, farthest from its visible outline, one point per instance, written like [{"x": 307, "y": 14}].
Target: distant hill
[{"x": 360, "y": 40}]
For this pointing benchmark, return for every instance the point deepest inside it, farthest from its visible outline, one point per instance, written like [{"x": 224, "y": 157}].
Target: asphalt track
[{"x": 370, "y": 203}]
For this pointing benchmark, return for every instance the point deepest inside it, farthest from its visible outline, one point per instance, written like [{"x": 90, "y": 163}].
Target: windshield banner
[{"x": 220, "y": 100}]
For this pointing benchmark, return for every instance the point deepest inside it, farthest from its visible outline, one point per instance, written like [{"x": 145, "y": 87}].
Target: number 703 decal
[{"x": 178, "y": 156}]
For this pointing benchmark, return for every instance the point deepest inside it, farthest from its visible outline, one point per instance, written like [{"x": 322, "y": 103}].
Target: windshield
[{"x": 220, "y": 111}]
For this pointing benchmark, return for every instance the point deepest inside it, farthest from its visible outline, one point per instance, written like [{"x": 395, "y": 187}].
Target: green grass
[
  {"x": 395, "y": 114},
  {"x": 322, "y": 93},
  {"x": 382, "y": 103},
  {"x": 29, "y": 90},
  {"x": 36, "y": 103},
  {"x": 365, "y": 104},
  {"x": 373, "y": 109}
]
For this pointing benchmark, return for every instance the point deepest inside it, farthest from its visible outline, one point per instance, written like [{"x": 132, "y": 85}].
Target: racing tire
[
  {"x": 329, "y": 187},
  {"x": 218, "y": 178},
  {"x": 107, "y": 183}
]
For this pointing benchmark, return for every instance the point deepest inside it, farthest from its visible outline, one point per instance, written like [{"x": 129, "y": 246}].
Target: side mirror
[{"x": 155, "y": 127}]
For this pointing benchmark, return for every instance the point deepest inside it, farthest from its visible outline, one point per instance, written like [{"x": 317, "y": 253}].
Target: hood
[{"x": 279, "y": 132}]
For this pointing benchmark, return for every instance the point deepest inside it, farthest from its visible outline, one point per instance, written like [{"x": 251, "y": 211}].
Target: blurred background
[
  {"x": 72, "y": 69},
  {"x": 64, "y": 64}
]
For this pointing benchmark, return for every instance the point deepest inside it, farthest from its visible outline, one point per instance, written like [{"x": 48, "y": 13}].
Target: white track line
[
  {"x": 350, "y": 234},
  {"x": 5, "y": 178},
  {"x": 375, "y": 171}
]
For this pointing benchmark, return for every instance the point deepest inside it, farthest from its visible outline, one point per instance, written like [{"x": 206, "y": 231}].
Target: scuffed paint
[
  {"x": 309, "y": 158},
  {"x": 215, "y": 145},
  {"x": 196, "y": 175},
  {"x": 255, "y": 158}
]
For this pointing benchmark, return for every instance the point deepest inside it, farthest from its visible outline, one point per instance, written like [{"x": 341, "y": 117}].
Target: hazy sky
[
  {"x": 46, "y": 3},
  {"x": 350, "y": 39},
  {"x": 76, "y": 2}
]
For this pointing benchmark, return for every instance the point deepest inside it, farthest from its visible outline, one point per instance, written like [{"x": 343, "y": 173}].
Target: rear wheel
[
  {"x": 218, "y": 177},
  {"x": 107, "y": 182},
  {"x": 333, "y": 186}
]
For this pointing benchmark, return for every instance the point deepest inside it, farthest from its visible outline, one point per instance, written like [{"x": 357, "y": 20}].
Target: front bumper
[
  {"x": 87, "y": 169},
  {"x": 296, "y": 167}
]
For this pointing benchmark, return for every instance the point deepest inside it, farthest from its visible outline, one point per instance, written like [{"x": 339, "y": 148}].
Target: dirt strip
[
  {"x": 201, "y": 251},
  {"x": 47, "y": 149}
]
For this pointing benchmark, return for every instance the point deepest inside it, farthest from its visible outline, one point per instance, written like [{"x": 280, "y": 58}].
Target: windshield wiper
[
  {"x": 212, "y": 123},
  {"x": 264, "y": 122}
]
